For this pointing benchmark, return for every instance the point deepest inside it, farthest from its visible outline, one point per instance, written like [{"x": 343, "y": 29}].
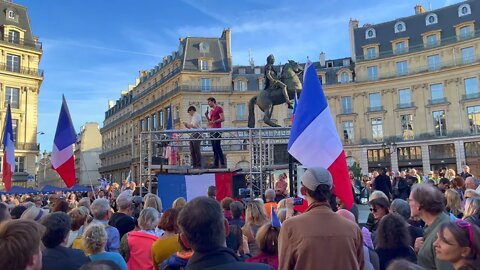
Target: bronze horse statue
[{"x": 268, "y": 98}]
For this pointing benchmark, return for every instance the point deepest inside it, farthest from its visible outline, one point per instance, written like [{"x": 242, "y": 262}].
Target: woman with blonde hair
[
  {"x": 179, "y": 203},
  {"x": 94, "y": 239},
  {"x": 267, "y": 241},
  {"x": 450, "y": 174},
  {"x": 472, "y": 211},
  {"x": 255, "y": 217},
  {"x": 152, "y": 200},
  {"x": 454, "y": 204},
  {"x": 78, "y": 218}
]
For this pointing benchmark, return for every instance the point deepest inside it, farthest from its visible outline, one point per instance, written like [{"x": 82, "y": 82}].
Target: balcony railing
[
  {"x": 21, "y": 70},
  {"x": 27, "y": 146},
  {"x": 437, "y": 101},
  {"x": 412, "y": 69},
  {"x": 405, "y": 105},
  {"x": 33, "y": 44},
  {"x": 347, "y": 111},
  {"x": 422, "y": 47},
  {"x": 471, "y": 96},
  {"x": 375, "y": 109}
]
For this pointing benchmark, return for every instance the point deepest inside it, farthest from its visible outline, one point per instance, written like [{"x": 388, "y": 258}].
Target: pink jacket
[{"x": 140, "y": 247}]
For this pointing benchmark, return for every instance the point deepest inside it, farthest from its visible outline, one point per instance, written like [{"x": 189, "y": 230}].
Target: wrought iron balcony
[
  {"x": 471, "y": 96},
  {"x": 375, "y": 109},
  {"x": 21, "y": 70},
  {"x": 437, "y": 101},
  {"x": 20, "y": 42},
  {"x": 405, "y": 105},
  {"x": 27, "y": 146}
]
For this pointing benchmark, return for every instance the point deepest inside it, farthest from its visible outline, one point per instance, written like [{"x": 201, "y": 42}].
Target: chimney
[
  {"x": 352, "y": 25},
  {"x": 419, "y": 9},
  {"x": 322, "y": 59},
  {"x": 111, "y": 104},
  {"x": 227, "y": 36}
]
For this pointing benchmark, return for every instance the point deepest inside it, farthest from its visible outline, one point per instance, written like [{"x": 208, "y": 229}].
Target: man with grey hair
[
  {"x": 303, "y": 246},
  {"x": 204, "y": 228},
  {"x": 466, "y": 172},
  {"x": 471, "y": 183},
  {"x": 123, "y": 220},
  {"x": 270, "y": 202},
  {"x": 101, "y": 212},
  {"x": 402, "y": 208}
]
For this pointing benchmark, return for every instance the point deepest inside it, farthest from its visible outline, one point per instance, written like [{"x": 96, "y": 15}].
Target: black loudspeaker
[{"x": 238, "y": 181}]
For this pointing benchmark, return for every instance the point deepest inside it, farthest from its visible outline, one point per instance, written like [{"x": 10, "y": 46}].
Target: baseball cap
[{"x": 313, "y": 177}]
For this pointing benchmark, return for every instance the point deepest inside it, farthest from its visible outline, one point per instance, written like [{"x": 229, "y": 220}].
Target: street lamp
[{"x": 44, "y": 162}]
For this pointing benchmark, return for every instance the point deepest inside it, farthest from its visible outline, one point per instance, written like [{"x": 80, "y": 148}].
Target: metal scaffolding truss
[{"x": 257, "y": 142}]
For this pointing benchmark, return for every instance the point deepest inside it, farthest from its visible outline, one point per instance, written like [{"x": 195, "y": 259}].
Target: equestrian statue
[{"x": 277, "y": 90}]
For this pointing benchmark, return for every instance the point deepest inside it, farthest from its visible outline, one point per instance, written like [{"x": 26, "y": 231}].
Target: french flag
[
  {"x": 173, "y": 186},
  {"x": 8, "y": 151},
  {"x": 314, "y": 140},
  {"x": 63, "y": 160}
]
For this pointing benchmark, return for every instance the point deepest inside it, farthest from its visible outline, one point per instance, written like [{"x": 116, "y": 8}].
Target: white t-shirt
[{"x": 196, "y": 120}]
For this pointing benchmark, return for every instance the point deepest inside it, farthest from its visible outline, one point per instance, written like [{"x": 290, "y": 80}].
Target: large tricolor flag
[
  {"x": 8, "y": 151},
  {"x": 314, "y": 140},
  {"x": 173, "y": 186},
  {"x": 63, "y": 160}
]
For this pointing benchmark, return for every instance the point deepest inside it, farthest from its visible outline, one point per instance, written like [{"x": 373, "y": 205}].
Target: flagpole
[{"x": 88, "y": 175}]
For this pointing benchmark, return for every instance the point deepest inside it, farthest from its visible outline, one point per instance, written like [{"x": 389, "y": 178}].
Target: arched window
[
  {"x": 431, "y": 19},
  {"x": 344, "y": 77},
  {"x": 400, "y": 27},
  {"x": 370, "y": 33},
  {"x": 464, "y": 10}
]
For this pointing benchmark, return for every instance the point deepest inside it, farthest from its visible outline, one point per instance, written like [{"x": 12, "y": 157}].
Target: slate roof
[
  {"x": 416, "y": 26},
  {"x": 217, "y": 50},
  {"x": 22, "y": 22}
]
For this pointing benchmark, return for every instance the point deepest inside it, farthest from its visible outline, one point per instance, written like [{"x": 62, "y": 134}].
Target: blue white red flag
[
  {"x": 314, "y": 139},
  {"x": 295, "y": 103},
  {"x": 8, "y": 151},
  {"x": 275, "y": 220},
  {"x": 63, "y": 160}
]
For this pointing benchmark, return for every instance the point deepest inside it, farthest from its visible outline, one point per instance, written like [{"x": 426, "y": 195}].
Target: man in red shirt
[{"x": 215, "y": 119}]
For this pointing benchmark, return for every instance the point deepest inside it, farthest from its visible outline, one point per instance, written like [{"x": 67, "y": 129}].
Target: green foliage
[{"x": 357, "y": 171}]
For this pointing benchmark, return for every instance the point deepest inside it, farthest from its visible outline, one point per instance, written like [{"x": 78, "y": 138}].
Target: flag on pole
[
  {"x": 8, "y": 151},
  {"x": 63, "y": 160},
  {"x": 314, "y": 140},
  {"x": 129, "y": 177},
  {"x": 295, "y": 103},
  {"x": 171, "y": 149}
]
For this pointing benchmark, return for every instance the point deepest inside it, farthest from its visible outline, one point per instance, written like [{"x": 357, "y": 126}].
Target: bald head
[
  {"x": 470, "y": 183},
  {"x": 347, "y": 214}
]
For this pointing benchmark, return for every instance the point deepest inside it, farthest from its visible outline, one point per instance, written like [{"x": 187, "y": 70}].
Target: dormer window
[
  {"x": 400, "y": 27},
  {"x": 11, "y": 14},
  {"x": 431, "y": 19},
  {"x": 464, "y": 10},
  {"x": 370, "y": 33}
]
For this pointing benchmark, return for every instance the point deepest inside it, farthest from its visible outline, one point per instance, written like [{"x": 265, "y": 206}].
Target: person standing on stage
[
  {"x": 215, "y": 119},
  {"x": 195, "y": 123}
]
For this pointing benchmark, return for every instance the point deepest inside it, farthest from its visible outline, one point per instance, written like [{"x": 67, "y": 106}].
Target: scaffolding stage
[{"x": 258, "y": 143}]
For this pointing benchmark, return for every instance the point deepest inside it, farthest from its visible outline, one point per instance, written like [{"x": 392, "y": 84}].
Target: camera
[
  {"x": 244, "y": 192},
  {"x": 297, "y": 201}
]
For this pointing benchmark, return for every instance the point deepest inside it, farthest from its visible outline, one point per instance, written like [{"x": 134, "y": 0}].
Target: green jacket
[{"x": 426, "y": 255}]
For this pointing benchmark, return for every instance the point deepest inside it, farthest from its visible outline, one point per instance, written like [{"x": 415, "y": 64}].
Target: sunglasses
[{"x": 465, "y": 225}]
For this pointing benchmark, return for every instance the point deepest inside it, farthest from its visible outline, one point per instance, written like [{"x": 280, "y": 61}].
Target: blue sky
[{"x": 93, "y": 49}]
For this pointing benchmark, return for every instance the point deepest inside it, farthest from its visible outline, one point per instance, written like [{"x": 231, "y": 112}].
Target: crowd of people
[{"x": 413, "y": 224}]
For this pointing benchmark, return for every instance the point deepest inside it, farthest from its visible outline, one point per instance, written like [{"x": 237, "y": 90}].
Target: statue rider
[{"x": 272, "y": 83}]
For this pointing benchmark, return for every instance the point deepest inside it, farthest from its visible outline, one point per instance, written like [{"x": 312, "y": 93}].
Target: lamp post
[
  {"x": 392, "y": 146},
  {"x": 44, "y": 162}
]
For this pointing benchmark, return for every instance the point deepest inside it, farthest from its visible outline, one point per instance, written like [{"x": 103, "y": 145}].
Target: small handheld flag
[{"x": 275, "y": 221}]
